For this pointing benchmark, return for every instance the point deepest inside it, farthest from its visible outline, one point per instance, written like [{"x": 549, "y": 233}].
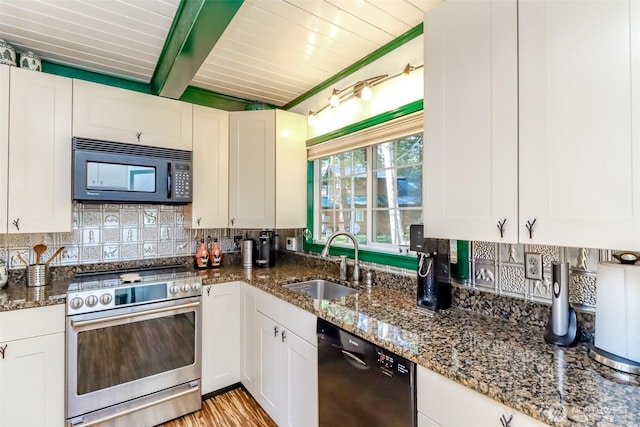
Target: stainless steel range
[{"x": 133, "y": 348}]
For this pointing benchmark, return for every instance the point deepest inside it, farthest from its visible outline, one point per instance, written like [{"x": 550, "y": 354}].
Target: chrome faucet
[{"x": 356, "y": 266}]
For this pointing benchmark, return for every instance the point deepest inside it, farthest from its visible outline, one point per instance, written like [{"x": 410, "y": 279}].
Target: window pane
[
  {"x": 360, "y": 191},
  {"x": 392, "y": 225},
  {"x": 360, "y": 160},
  {"x": 384, "y": 155},
  {"x": 343, "y": 193},
  {"x": 409, "y": 217},
  {"x": 385, "y": 189},
  {"x": 410, "y": 186},
  {"x": 409, "y": 150}
]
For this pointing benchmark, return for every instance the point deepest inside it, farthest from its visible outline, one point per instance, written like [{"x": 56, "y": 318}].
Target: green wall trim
[
  {"x": 376, "y": 54},
  {"x": 78, "y": 73},
  {"x": 383, "y": 258},
  {"x": 207, "y": 98},
  {"x": 310, "y": 201},
  {"x": 410, "y": 108},
  {"x": 197, "y": 27}
]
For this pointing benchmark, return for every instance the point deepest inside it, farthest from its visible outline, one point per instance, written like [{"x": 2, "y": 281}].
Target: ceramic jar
[
  {"x": 7, "y": 53},
  {"x": 30, "y": 61}
]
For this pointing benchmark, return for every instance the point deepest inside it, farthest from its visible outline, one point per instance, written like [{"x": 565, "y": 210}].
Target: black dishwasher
[{"x": 361, "y": 384}]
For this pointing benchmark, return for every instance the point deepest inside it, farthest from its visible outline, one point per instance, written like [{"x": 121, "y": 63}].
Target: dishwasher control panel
[{"x": 392, "y": 364}]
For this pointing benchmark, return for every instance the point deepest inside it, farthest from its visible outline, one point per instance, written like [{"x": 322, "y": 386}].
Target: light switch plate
[{"x": 533, "y": 265}]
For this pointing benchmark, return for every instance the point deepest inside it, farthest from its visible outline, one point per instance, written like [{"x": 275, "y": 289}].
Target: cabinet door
[
  {"x": 269, "y": 369},
  {"x": 210, "y": 207},
  {"x": 579, "y": 120},
  {"x": 291, "y": 170},
  {"x": 300, "y": 382},
  {"x": 114, "y": 114},
  {"x": 439, "y": 400},
  {"x": 252, "y": 169},
  {"x": 248, "y": 337},
  {"x": 220, "y": 336},
  {"x": 4, "y": 143},
  {"x": 32, "y": 377},
  {"x": 471, "y": 123},
  {"x": 39, "y": 153}
]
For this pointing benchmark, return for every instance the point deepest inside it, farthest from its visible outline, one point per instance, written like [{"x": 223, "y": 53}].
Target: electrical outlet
[{"x": 533, "y": 266}]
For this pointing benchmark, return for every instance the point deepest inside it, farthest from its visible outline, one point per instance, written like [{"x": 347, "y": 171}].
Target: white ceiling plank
[
  {"x": 343, "y": 21},
  {"x": 374, "y": 16},
  {"x": 257, "y": 80},
  {"x": 100, "y": 61},
  {"x": 263, "y": 86},
  {"x": 242, "y": 92},
  {"x": 293, "y": 16},
  {"x": 161, "y": 7},
  {"x": 401, "y": 9},
  {"x": 425, "y": 5},
  {"x": 65, "y": 38},
  {"x": 143, "y": 12},
  {"x": 257, "y": 73},
  {"x": 80, "y": 27}
]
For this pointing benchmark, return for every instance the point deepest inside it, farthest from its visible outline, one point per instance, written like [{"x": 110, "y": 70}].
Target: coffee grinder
[{"x": 434, "y": 285}]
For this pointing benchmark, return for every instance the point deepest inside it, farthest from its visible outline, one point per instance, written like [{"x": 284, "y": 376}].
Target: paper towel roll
[{"x": 618, "y": 310}]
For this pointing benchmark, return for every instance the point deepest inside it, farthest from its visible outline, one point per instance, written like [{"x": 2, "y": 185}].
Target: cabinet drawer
[
  {"x": 439, "y": 399},
  {"x": 300, "y": 322},
  {"x": 269, "y": 305},
  {"x": 31, "y": 322}
]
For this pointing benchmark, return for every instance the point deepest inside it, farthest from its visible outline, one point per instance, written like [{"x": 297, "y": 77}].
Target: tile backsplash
[
  {"x": 499, "y": 268},
  {"x": 114, "y": 232}
]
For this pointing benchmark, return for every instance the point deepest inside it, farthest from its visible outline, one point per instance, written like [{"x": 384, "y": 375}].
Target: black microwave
[{"x": 105, "y": 171}]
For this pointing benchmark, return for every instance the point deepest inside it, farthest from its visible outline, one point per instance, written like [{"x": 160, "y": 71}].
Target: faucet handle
[{"x": 343, "y": 267}]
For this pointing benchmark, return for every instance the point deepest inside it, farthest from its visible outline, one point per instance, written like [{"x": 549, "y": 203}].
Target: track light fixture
[{"x": 361, "y": 89}]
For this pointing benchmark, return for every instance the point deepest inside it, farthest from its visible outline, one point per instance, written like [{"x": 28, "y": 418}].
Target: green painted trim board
[
  {"x": 376, "y": 54},
  {"x": 410, "y": 108},
  {"x": 196, "y": 29},
  {"x": 80, "y": 74}
]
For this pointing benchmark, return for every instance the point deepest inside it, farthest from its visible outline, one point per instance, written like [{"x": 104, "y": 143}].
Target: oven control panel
[{"x": 97, "y": 298}]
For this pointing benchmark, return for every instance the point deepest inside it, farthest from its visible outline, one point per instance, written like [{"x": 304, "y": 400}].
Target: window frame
[{"x": 366, "y": 126}]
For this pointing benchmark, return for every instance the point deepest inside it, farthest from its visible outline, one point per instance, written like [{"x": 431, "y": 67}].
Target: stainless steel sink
[{"x": 321, "y": 289}]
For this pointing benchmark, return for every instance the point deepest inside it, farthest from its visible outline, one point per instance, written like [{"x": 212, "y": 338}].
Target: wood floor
[{"x": 235, "y": 408}]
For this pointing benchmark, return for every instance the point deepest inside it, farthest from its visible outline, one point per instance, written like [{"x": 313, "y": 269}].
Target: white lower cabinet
[
  {"x": 220, "y": 336},
  {"x": 248, "y": 337},
  {"x": 439, "y": 401},
  {"x": 286, "y": 382},
  {"x": 32, "y": 369}
]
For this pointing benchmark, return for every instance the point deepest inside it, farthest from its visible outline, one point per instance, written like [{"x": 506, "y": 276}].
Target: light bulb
[
  {"x": 312, "y": 120},
  {"x": 366, "y": 93},
  {"x": 334, "y": 101}
]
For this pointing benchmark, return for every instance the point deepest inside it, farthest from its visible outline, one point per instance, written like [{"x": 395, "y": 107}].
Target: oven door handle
[
  {"x": 140, "y": 408},
  {"x": 83, "y": 323}
]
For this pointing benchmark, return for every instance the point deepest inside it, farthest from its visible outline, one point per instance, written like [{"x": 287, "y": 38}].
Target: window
[{"x": 373, "y": 192}]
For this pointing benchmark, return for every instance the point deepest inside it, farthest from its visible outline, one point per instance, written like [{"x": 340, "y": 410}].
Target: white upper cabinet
[
  {"x": 4, "y": 144},
  {"x": 563, "y": 155},
  {"x": 267, "y": 169},
  {"x": 210, "y": 206},
  {"x": 114, "y": 114},
  {"x": 471, "y": 121},
  {"x": 580, "y": 123},
  {"x": 39, "y": 185}
]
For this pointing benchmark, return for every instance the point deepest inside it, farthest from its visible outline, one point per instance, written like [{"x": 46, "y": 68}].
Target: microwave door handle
[{"x": 169, "y": 181}]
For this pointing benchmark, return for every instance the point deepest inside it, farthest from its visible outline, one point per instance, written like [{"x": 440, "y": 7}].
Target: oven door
[{"x": 122, "y": 354}]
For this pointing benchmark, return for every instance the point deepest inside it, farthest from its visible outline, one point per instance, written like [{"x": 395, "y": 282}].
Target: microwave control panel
[{"x": 181, "y": 181}]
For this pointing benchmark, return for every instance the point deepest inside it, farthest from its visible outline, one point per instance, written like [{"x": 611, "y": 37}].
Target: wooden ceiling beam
[{"x": 196, "y": 28}]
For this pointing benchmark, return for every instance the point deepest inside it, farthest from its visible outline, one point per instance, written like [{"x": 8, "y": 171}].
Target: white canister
[
  {"x": 7, "y": 53},
  {"x": 4, "y": 274},
  {"x": 30, "y": 61}
]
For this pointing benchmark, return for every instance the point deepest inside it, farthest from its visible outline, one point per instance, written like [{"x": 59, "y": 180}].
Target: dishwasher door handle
[{"x": 354, "y": 357}]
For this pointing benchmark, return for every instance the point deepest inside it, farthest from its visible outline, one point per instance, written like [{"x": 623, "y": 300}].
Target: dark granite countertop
[{"x": 506, "y": 361}]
